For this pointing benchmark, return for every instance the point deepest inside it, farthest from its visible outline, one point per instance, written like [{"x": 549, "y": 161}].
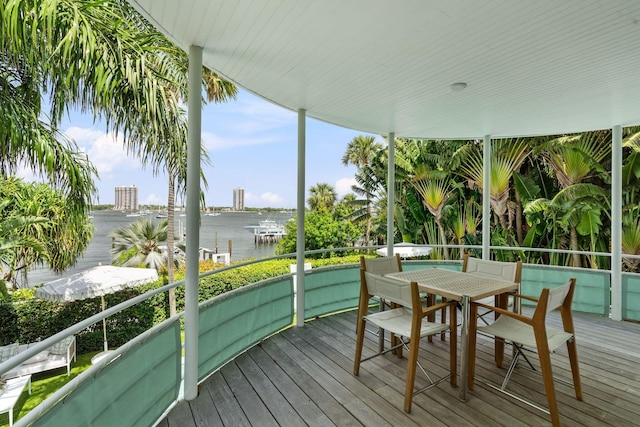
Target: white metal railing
[{"x": 18, "y": 359}]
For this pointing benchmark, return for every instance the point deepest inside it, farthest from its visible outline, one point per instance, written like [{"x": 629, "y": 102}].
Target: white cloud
[
  {"x": 27, "y": 174},
  {"x": 105, "y": 150},
  {"x": 153, "y": 199},
  {"x": 272, "y": 199},
  {"x": 83, "y": 136},
  {"x": 267, "y": 199},
  {"x": 215, "y": 142},
  {"x": 263, "y": 115},
  {"x": 343, "y": 186}
]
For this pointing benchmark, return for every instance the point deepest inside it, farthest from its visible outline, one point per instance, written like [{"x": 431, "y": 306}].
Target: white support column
[
  {"x": 302, "y": 115},
  {"x": 616, "y": 223},
  {"x": 391, "y": 191},
  {"x": 486, "y": 197},
  {"x": 193, "y": 223}
]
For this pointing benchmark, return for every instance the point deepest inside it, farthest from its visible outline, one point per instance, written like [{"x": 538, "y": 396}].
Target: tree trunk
[
  {"x": 443, "y": 238},
  {"x": 368, "y": 234},
  {"x": 171, "y": 243},
  {"x": 577, "y": 260},
  {"x": 519, "y": 225}
]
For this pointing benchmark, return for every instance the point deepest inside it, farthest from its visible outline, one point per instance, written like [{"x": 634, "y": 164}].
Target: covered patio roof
[
  {"x": 444, "y": 69},
  {"x": 530, "y": 68}
]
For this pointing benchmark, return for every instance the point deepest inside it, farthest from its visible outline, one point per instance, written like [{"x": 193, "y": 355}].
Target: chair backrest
[
  {"x": 557, "y": 297},
  {"x": 392, "y": 290},
  {"x": 510, "y": 271},
  {"x": 389, "y": 264}
]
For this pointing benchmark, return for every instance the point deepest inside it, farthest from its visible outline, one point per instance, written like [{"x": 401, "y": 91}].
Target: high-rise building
[
  {"x": 238, "y": 199},
  {"x": 126, "y": 198}
]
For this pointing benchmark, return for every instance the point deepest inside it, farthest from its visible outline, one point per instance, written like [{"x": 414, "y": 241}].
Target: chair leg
[
  {"x": 547, "y": 377},
  {"x": 363, "y": 308},
  {"x": 575, "y": 370},
  {"x": 431, "y": 299},
  {"x": 443, "y": 320},
  {"x": 359, "y": 343},
  {"x": 411, "y": 369},
  {"x": 500, "y": 301}
]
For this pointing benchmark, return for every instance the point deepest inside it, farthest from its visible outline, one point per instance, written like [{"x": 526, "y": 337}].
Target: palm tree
[
  {"x": 13, "y": 241},
  {"x": 359, "y": 153},
  {"x": 322, "y": 196},
  {"x": 507, "y": 157},
  {"x": 573, "y": 159},
  {"x": 120, "y": 72},
  {"x": 42, "y": 220},
  {"x": 29, "y": 141},
  {"x": 435, "y": 187},
  {"x": 128, "y": 74},
  {"x": 139, "y": 243},
  {"x": 631, "y": 200},
  {"x": 172, "y": 158}
]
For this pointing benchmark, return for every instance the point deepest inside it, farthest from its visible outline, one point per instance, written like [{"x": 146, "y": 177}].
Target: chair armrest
[
  {"x": 433, "y": 308},
  {"x": 507, "y": 313},
  {"x": 527, "y": 297}
]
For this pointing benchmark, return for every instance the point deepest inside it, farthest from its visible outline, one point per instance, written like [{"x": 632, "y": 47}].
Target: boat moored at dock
[{"x": 267, "y": 231}]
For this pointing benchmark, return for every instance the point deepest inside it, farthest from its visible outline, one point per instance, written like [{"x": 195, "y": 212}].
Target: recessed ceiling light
[{"x": 456, "y": 87}]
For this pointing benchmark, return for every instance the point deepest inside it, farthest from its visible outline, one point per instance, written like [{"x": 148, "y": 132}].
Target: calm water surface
[{"x": 228, "y": 226}]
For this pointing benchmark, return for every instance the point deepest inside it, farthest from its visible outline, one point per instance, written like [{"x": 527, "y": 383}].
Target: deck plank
[{"x": 304, "y": 376}]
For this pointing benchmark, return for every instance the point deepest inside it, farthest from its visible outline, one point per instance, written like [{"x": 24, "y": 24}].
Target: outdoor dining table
[{"x": 463, "y": 287}]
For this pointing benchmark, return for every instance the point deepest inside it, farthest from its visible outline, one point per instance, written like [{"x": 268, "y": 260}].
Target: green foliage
[
  {"x": 322, "y": 231},
  {"x": 27, "y": 319},
  {"x": 139, "y": 243},
  {"x": 39, "y": 226}
]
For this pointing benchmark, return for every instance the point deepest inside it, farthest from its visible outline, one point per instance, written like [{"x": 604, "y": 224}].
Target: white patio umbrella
[
  {"x": 407, "y": 250},
  {"x": 95, "y": 282}
]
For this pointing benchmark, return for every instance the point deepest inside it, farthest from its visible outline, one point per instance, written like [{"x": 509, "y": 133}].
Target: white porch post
[
  {"x": 616, "y": 223},
  {"x": 486, "y": 197},
  {"x": 302, "y": 114},
  {"x": 391, "y": 191},
  {"x": 193, "y": 224}
]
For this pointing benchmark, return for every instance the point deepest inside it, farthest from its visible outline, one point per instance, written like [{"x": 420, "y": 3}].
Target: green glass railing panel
[
  {"x": 135, "y": 389},
  {"x": 332, "y": 289},
  {"x": 631, "y": 296},
  {"x": 237, "y": 320},
  {"x": 592, "y": 293}
]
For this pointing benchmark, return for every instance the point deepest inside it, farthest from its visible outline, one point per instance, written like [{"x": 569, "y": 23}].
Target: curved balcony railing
[{"x": 138, "y": 383}]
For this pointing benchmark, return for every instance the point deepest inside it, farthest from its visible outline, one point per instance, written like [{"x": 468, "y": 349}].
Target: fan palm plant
[
  {"x": 139, "y": 243},
  {"x": 435, "y": 187},
  {"x": 507, "y": 157},
  {"x": 573, "y": 159}
]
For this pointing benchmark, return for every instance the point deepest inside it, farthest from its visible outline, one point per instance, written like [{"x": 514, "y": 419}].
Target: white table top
[
  {"x": 454, "y": 284},
  {"x": 12, "y": 391}
]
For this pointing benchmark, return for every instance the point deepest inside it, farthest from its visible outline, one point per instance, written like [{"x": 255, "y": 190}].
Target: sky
[{"x": 252, "y": 145}]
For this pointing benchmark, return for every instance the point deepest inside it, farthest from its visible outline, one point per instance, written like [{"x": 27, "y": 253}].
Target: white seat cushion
[
  {"x": 398, "y": 321},
  {"x": 516, "y": 331}
]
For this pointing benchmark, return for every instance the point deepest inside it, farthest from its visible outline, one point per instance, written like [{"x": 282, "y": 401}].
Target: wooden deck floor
[{"x": 303, "y": 376}]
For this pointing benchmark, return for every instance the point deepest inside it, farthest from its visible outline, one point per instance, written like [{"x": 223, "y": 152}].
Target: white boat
[
  {"x": 267, "y": 226},
  {"x": 212, "y": 213},
  {"x": 267, "y": 231}
]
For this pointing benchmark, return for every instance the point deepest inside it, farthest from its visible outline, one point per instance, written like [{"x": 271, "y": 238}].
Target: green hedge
[
  {"x": 24, "y": 318},
  {"x": 28, "y": 319}
]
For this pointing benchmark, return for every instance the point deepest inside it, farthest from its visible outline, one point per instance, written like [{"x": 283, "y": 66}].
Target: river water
[{"x": 214, "y": 230}]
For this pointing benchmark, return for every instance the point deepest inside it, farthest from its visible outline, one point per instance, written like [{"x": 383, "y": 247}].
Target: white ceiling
[{"x": 380, "y": 66}]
